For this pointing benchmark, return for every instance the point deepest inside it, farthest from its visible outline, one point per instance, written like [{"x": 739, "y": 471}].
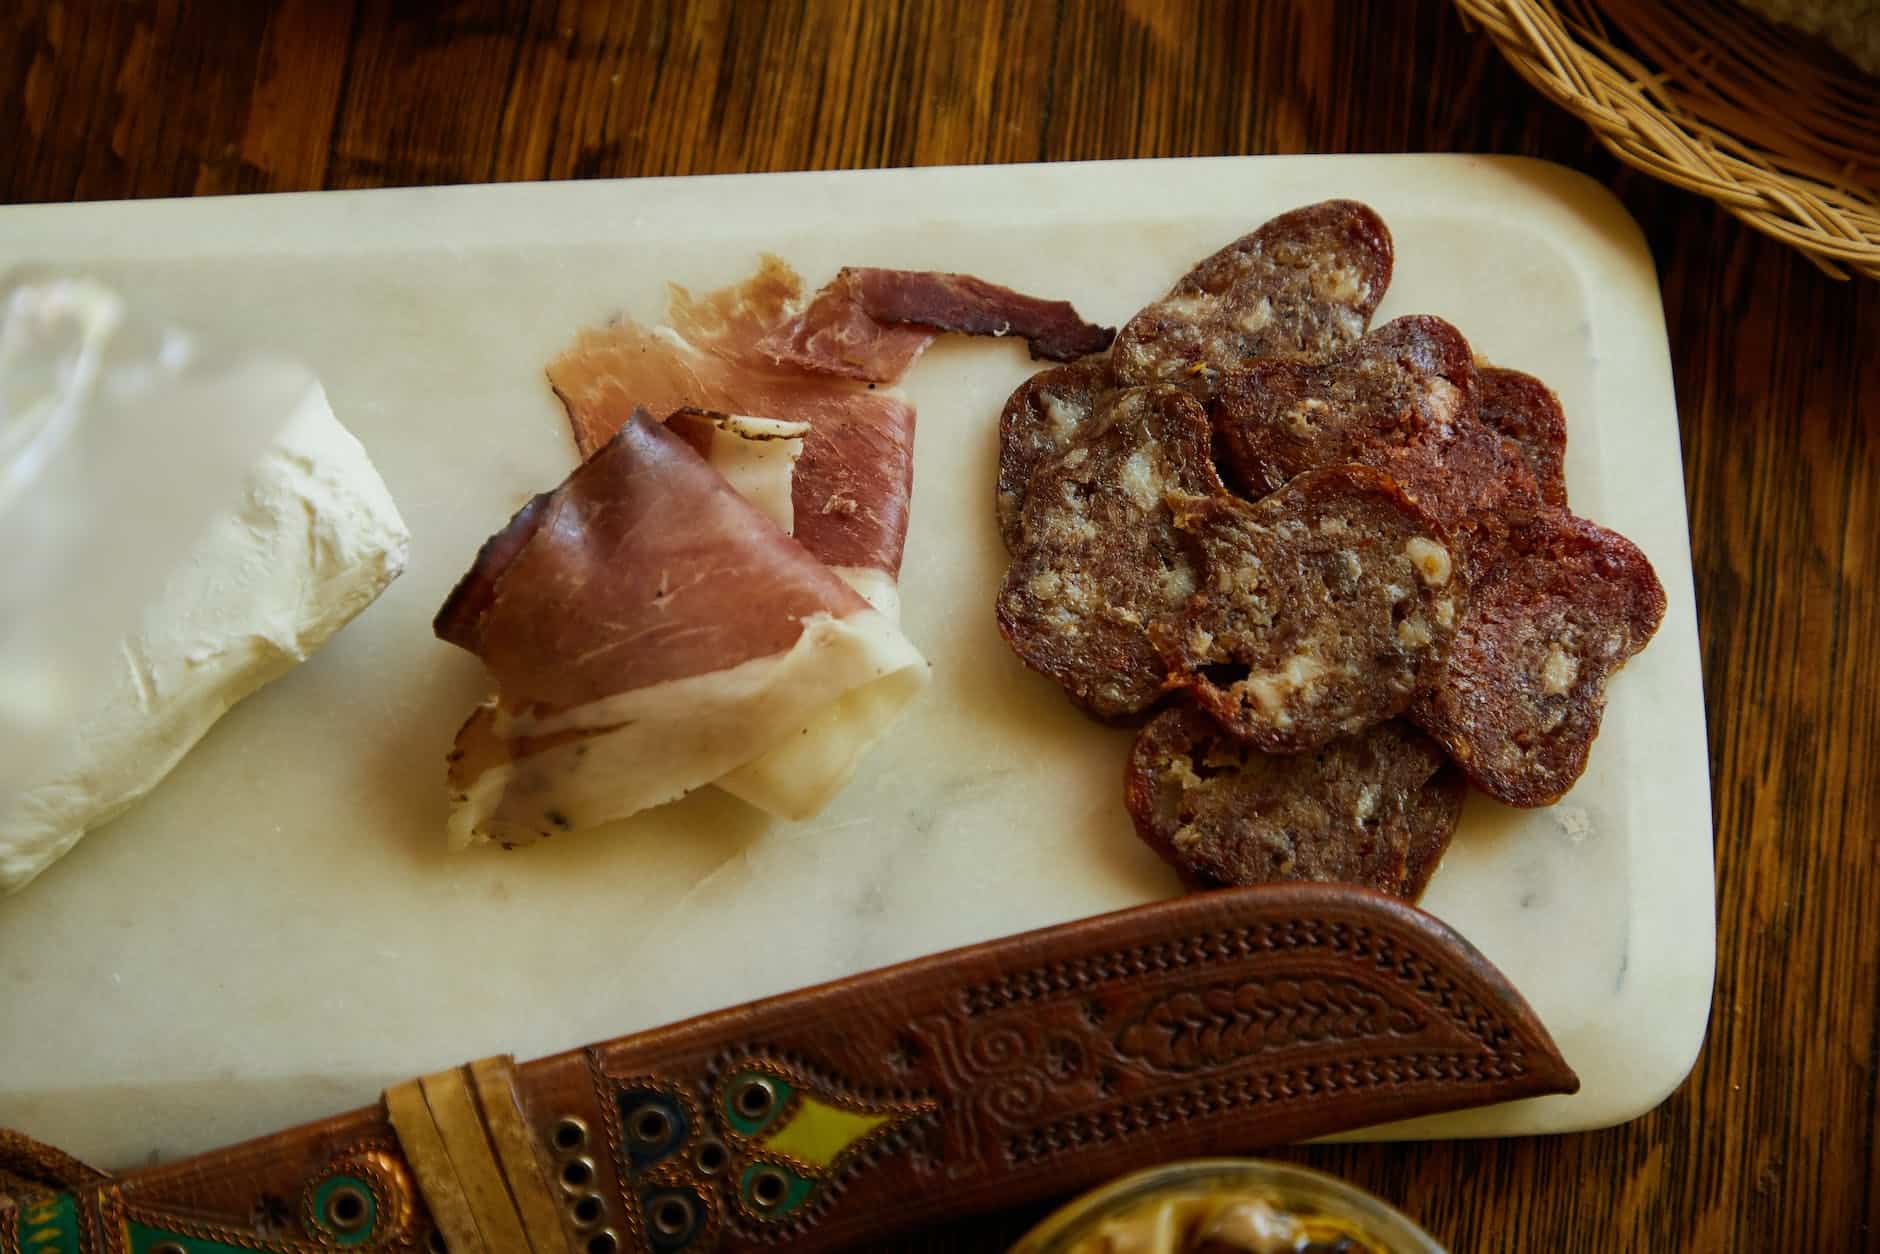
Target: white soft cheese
[
  {"x": 757, "y": 457},
  {"x": 308, "y": 543}
]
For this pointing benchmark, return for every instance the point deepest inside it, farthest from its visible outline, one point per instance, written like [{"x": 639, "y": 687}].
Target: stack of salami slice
[{"x": 1330, "y": 571}]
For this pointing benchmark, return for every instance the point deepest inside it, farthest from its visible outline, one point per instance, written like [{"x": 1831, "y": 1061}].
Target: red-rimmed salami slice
[
  {"x": 1305, "y": 282},
  {"x": 1377, "y": 808},
  {"x": 1557, "y": 604},
  {"x": 1527, "y": 415},
  {"x": 1402, "y": 400},
  {"x": 1317, "y": 612},
  {"x": 1433, "y": 817},
  {"x": 1048, "y": 413},
  {"x": 1100, "y": 559}
]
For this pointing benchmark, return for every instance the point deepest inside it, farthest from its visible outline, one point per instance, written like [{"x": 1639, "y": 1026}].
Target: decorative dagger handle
[{"x": 975, "y": 1079}]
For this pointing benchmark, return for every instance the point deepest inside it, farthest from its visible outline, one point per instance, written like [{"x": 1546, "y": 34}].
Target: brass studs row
[{"x": 586, "y": 1208}]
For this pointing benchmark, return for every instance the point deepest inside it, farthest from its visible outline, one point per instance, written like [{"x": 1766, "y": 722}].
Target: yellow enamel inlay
[{"x": 818, "y": 1133}]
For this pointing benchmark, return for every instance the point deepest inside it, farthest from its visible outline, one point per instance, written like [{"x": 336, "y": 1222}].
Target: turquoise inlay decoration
[
  {"x": 346, "y": 1231},
  {"x": 796, "y": 1190},
  {"x": 48, "y": 1227},
  {"x": 743, "y": 1114}
]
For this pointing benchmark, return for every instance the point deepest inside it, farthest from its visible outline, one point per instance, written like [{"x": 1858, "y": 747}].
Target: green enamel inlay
[
  {"x": 48, "y": 1227},
  {"x": 323, "y": 1195},
  {"x": 818, "y": 1133},
  {"x": 144, "y": 1239},
  {"x": 793, "y": 1196},
  {"x": 746, "y": 1124}
]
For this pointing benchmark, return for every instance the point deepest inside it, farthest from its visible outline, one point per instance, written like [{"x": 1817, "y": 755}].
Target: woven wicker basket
[{"x": 1709, "y": 96}]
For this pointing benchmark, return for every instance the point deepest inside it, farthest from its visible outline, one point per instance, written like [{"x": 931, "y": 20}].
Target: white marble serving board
[{"x": 277, "y": 933}]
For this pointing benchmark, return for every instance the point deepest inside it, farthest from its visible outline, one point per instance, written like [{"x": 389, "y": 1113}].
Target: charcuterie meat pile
[
  {"x": 1330, "y": 571},
  {"x": 712, "y": 598}
]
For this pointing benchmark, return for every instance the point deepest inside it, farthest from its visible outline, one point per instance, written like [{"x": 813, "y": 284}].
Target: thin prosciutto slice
[
  {"x": 852, "y": 484},
  {"x": 650, "y": 632},
  {"x": 757, "y": 348}
]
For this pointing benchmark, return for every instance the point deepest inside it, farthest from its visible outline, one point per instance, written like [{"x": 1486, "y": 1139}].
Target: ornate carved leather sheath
[{"x": 1022, "y": 1068}]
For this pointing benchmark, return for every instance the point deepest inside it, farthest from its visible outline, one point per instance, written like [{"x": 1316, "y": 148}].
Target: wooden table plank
[{"x": 1771, "y": 1143}]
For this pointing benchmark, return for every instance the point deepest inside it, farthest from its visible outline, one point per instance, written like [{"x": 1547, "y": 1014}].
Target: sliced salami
[
  {"x": 1402, "y": 400},
  {"x": 1527, "y": 416},
  {"x": 1320, "y": 610},
  {"x": 1048, "y": 413},
  {"x": 1434, "y": 813},
  {"x": 1099, "y": 559},
  {"x": 1305, "y": 282},
  {"x": 1557, "y": 604},
  {"x": 1376, "y": 809}
]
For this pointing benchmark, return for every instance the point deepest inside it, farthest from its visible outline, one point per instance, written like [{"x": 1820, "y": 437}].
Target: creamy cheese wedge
[{"x": 302, "y": 546}]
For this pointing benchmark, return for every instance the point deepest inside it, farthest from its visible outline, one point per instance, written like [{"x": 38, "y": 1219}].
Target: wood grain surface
[{"x": 1770, "y": 1144}]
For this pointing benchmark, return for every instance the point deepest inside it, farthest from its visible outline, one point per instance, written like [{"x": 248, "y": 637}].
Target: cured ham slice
[
  {"x": 757, "y": 348},
  {"x": 650, "y": 632},
  {"x": 853, "y": 482}
]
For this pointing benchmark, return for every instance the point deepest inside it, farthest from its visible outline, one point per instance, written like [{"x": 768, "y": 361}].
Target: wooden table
[{"x": 1770, "y": 1145}]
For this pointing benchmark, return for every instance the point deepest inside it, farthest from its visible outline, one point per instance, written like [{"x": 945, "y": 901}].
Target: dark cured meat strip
[
  {"x": 959, "y": 302},
  {"x": 1557, "y": 605},
  {"x": 870, "y": 324},
  {"x": 1359, "y": 810},
  {"x": 1048, "y": 413},
  {"x": 1527, "y": 415},
  {"x": 1318, "y": 611},
  {"x": 1402, "y": 400},
  {"x": 1100, "y": 559},
  {"x": 643, "y": 566},
  {"x": 1305, "y": 282}
]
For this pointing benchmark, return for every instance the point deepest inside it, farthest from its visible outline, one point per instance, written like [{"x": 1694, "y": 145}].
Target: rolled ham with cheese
[{"x": 651, "y": 631}]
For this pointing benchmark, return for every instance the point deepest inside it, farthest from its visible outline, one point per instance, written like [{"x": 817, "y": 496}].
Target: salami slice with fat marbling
[
  {"x": 1317, "y": 612},
  {"x": 1557, "y": 604},
  {"x": 1376, "y": 808},
  {"x": 1099, "y": 558},
  {"x": 1305, "y": 282}
]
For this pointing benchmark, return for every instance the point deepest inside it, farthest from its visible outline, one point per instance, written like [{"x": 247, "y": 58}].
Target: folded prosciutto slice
[{"x": 650, "y": 632}]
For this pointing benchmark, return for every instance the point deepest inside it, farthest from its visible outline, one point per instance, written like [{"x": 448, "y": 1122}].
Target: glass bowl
[{"x": 1076, "y": 1227}]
